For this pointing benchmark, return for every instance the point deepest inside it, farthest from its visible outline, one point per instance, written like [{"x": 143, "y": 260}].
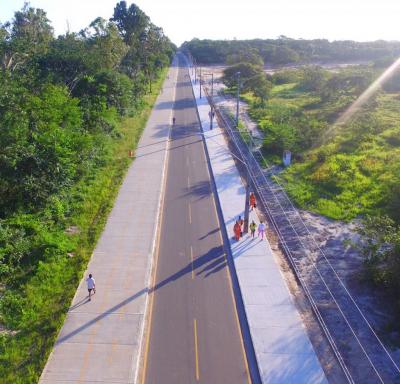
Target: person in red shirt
[
  {"x": 252, "y": 201},
  {"x": 241, "y": 223},
  {"x": 237, "y": 229}
]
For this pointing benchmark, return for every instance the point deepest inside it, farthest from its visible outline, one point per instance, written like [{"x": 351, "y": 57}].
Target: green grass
[
  {"x": 353, "y": 173},
  {"x": 35, "y": 312},
  {"x": 283, "y": 88}
]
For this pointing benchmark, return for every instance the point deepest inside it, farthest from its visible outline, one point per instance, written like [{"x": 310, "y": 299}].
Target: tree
[
  {"x": 313, "y": 79},
  {"x": 61, "y": 102},
  {"x": 260, "y": 87},
  {"x": 41, "y": 144},
  {"x": 131, "y": 22},
  {"x": 30, "y": 33},
  {"x": 116, "y": 89},
  {"x": 380, "y": 245},
  {"x": 67, "y": 61},
  {"x": 249, "y": 55},
  {"x": 26, "y": 37},
  {"x": 286, "y": 50},
  {"x": 8, "y": 57},
  {"x": 282, "y": 54},
  {"x": 247, "y": 71},
  {"x": 106, "y": 45},
  {"x": 149, "y": 49},
  {"x": 280, "y": 137}
]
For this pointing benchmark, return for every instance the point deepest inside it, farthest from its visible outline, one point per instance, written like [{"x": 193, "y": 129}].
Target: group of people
[
  {"x": 261, "y": 229},
  {"x": 238, "y": 227}
]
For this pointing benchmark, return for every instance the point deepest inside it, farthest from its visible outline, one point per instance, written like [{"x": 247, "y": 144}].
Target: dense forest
[
  {"x": 70, "y": 108},
  {"x": 287, "y": 51}
]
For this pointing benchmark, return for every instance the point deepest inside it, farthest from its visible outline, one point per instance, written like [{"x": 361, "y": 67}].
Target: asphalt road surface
[{"x": 194, "y": 334}]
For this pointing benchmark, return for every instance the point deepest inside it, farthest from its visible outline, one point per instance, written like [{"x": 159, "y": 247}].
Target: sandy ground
[{"x": 333, "y": 236}]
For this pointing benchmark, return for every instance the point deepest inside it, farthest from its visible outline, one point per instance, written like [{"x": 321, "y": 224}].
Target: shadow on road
[
  {"x": 79, "y": 303},
  {"x": 213, "y": 267},
  {"x": 163, "y": 149},
  {"x": 214, "y": 258},
  {"x": 201, "y": 189},
  {"x": 209, "y": 263},
  {"x": 209, "y": 233},
  {"x": 102, "y": 316},
  {"x": 181, "y": 104}
]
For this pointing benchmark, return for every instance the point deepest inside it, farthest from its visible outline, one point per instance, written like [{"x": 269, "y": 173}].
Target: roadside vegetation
[
  {"x": 341, "y": 172},
  {"x": 70, "y": 109},
  {"x": 286, "y": 50},
  {"x": 344, "y": 171}
]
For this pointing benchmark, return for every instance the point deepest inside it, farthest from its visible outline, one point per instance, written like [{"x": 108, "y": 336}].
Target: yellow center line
[
  {"x": 190, "y": 214},
  {"x": 196, "y": 350},
  {"x": 191, "y": 257}
]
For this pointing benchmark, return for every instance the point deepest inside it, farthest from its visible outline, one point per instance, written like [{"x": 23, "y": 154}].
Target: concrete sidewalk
[
  {"x": 283, "y": 350},
  {"x": 101, "y": 339}
]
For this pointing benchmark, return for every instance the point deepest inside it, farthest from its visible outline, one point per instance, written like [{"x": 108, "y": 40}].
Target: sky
[{"x": 361, "y": 20}]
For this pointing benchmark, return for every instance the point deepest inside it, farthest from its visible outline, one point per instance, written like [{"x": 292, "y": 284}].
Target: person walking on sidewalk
[
  {"x": 91, "y": 285},
  {"x": 252, "y": 201},
  {"x": 261, "y": 229},
  {"x": 173, "y": 120},
  {"x": 241, "y": 222},
  {"x": 237, "y": 229},
  {"x": 252, "y": 227}
]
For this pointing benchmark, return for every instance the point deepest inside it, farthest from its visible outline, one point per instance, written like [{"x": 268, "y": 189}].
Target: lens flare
[{"x": 362, "y": 99}]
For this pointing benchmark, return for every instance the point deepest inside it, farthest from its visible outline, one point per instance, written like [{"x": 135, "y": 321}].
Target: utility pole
[
  {"x": 247, "y": 203},
  {"x": 211, "y": 112},
  {"x": 200, "y": 82},
  {"x": 212, "y": 101},
  {"x": 237, "y": 99},
  {"x": 247, "y": 183}
]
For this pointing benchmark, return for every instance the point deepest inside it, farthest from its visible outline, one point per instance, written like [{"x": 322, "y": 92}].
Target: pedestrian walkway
[
  {"x": 101, "y": 339},
  {"x": 283, "y": 350}
]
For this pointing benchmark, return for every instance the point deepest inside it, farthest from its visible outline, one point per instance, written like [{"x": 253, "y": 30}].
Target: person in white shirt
[
  {"x": 91, "y": 285},
  {"x": 261, "y": 229}
]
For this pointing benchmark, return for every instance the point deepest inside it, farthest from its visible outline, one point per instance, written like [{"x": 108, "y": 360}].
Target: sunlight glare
[{"x": 363, "y": 98}]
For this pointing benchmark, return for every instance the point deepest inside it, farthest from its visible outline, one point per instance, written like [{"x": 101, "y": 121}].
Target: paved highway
[{"x": 194, "y": 334}]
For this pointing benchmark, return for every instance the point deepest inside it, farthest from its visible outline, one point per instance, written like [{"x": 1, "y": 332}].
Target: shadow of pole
[
  {"x": 102, "y": 316},
  {"x": 213, "y": 256}
]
